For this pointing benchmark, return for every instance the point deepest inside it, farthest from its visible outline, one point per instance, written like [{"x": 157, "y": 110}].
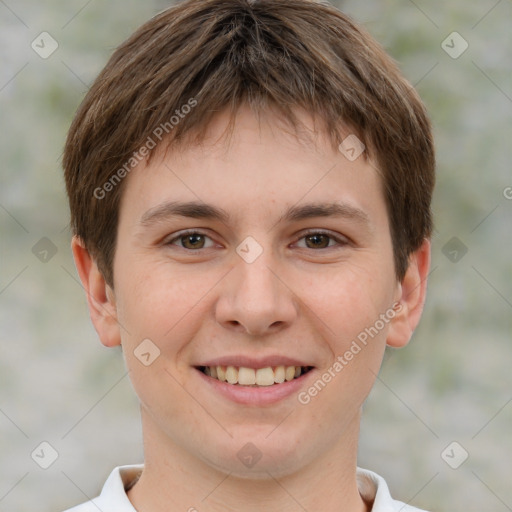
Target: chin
[{"x": 253, "y": 456}]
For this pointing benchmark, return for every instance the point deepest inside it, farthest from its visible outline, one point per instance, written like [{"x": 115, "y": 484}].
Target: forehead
[{"x": 262, "y": 164}]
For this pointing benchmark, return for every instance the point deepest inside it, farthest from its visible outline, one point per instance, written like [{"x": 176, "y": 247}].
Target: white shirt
[{"x": 113, "y": 496}]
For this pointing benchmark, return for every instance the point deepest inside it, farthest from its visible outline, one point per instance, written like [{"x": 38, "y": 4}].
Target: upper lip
[{"x": 254, "y": 362}]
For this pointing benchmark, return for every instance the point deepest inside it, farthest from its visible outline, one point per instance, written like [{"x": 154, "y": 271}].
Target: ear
[
  {"x": 100, "y": 296},
  {"x": 411, "y": 297}
]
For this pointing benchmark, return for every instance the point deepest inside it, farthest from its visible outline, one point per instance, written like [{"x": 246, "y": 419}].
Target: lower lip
[{"x": 264, "y": 395}]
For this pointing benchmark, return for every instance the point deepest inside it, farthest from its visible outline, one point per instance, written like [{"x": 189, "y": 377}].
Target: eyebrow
[{"x": 199, "y": 210}]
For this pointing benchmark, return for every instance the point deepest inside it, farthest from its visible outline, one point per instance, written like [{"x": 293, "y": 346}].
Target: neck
[{"x": 173, "y": 479}]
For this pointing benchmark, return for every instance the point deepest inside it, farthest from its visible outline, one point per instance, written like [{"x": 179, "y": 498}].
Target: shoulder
[{"x": 374, "y": 488}]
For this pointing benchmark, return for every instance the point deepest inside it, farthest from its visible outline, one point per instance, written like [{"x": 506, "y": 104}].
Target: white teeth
[
  {"x": 290, "y": 372},
  {"x": 247, "y": 376},
  {"x": 221, "y": 373},
  {"x": 279, "y": 374},
  {"x": 231, "y": 374},
  {"x": 264, "y": 376},
  {"x": 250, "y": 377}
]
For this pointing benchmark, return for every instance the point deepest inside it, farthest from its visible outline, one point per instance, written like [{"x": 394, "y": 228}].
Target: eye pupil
[
  {"x": 195, "y": 238},
  {"x": 318, "y": 237}
]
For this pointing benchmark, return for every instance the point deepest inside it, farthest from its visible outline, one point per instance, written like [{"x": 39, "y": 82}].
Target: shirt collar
[
  {"x": 113, "y": 498},
  {"x": 373, "y": 487}
]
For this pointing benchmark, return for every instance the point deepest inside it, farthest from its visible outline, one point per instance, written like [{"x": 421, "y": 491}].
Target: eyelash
[{"x": 183, "y": 234}]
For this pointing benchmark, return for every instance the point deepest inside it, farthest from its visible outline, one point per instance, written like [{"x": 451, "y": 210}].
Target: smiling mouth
[{"x": 254, "y": 377}]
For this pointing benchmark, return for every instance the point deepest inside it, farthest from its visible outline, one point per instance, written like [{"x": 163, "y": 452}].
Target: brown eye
[
  {"x": 321, "y": 240},
  {"x": 191, "y": 241},
  {"x": 318, "y": 241},
  {"x": 195, "y": 241}
]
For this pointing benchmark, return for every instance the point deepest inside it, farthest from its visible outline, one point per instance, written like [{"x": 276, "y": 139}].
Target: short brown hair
[{"x": 221, "y": 54}]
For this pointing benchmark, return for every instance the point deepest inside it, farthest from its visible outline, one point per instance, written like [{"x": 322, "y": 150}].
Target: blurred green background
[{"x": 452, "y": 383}]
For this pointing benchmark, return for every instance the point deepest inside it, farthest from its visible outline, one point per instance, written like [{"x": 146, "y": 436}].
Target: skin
[{"x": 303, "y": 296}]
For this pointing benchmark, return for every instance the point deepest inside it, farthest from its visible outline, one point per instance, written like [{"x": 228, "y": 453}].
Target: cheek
[
  {"x": 357, "y": 308},
  {"x": 348, "y": 301},
  {"x": 160, "y": 302}
]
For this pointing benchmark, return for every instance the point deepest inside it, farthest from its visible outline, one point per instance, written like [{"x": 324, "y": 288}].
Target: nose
[{"x": 257, "y": 298}]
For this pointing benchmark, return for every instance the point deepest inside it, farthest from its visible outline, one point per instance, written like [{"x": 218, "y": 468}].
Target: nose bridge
[
  {"x": 256, "y": 297},
  {"x": 257, "y": 284}
]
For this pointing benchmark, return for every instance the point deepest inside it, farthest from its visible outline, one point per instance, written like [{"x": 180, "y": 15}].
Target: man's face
[{"x": 272, "y": 284}]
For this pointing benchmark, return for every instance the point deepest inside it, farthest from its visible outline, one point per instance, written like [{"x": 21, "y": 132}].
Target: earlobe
[
  {"x": 100, "y": 296},
  {"x": 413, "y": 289}
]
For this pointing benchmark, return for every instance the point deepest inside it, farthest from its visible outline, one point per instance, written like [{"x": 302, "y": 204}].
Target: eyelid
[
  {"x": 185, "y": 232},
  {"x": 341, "y": 240}
]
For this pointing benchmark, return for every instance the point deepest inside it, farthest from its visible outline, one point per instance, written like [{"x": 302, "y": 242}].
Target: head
[{"x": 251, "y": 109}]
